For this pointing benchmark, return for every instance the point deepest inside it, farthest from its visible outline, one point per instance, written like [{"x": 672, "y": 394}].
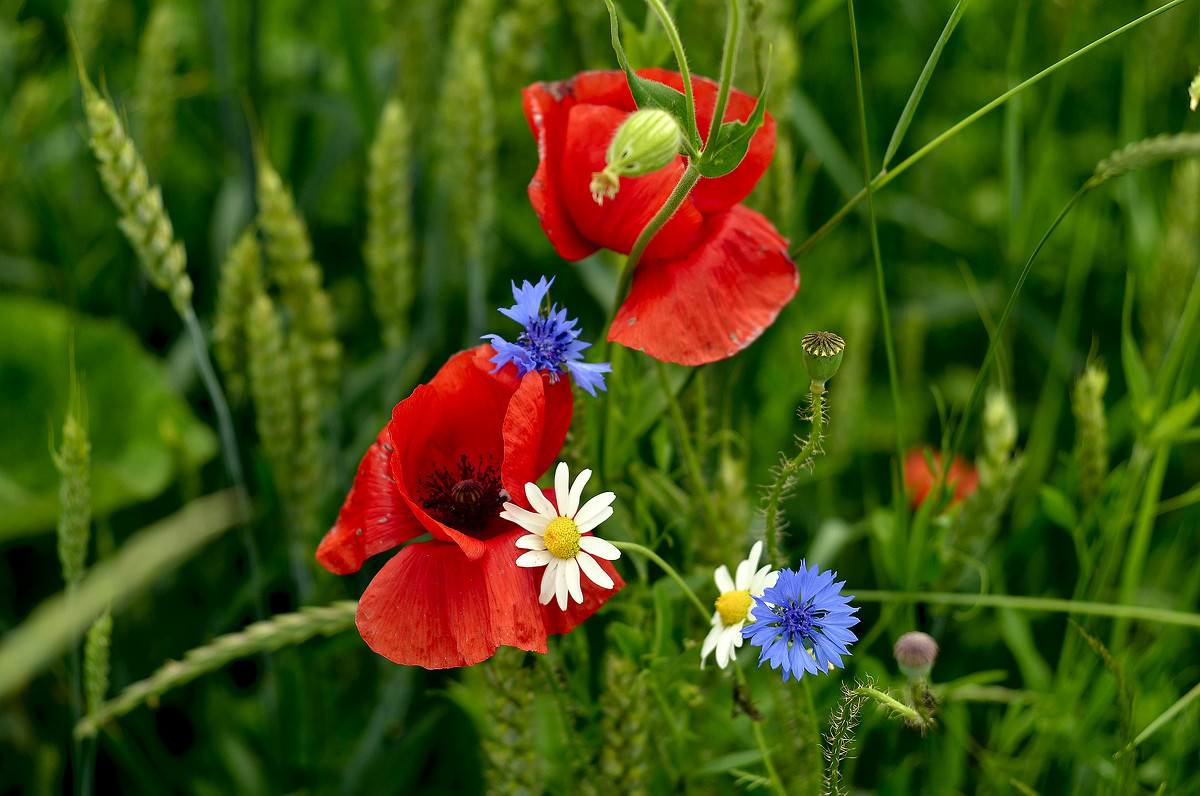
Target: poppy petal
[
  {"x": 546, "y": 108},
  {"x": 714, "y": 301},
  {"x": 431, "y": 606},
  {"x": 534, "y": 429},
  {"x": 373, "y": 518}
]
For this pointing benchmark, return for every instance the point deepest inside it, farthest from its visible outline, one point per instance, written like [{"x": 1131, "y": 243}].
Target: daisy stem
[
  {"x": 634, "y": 547},
  {"x": 789, "y": 469},
  {"x": 691, "y": 460},
  {"x": 756, "y": 726},
  {"x": 689, "y": 179}
]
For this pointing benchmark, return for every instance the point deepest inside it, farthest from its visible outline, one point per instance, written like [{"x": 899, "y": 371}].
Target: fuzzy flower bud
[
  {"x": 822, "y": 355},
  {"x": 915, "y": 652},
  {"x": 647, "y": 141}
]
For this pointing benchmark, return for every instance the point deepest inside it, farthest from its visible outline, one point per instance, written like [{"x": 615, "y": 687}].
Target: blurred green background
[{"x": 201, "y": 83}]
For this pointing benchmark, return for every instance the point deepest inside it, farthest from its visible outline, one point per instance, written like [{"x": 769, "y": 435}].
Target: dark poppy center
[{"x": 464, "y": 496}]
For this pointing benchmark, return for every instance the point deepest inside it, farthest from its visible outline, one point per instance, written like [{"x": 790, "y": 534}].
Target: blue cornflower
[
  {"x": 802, "y": 623},
  {"x": 550, "y": 342}
]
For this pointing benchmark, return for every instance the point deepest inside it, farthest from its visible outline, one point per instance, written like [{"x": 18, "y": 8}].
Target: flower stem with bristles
[
  {"x": 279, "y": 631},
  {"x": 789, "y": 469}
]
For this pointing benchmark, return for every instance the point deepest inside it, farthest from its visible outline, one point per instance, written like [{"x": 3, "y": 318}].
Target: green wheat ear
[
  {"x": 626, "y": 749},
  {"x": 144, "y": 220},
  {"x": 508, "y": 749},
  {"x": 1091, "y": 431},
  {"x": 73, "y": 461},
  {"x": 388, "y": 249},
  {"x": 157, "y": 82},
  {"x": 290, "y": 265},
  {"x": 240, "y": 283}
]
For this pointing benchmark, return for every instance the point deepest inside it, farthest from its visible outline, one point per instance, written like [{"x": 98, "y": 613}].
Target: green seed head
[
  {"x": 646, "y": 142},
  {"x": 822, "y": 355}
]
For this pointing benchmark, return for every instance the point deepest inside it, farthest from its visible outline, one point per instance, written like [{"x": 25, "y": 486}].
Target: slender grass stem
[
  {"x": 229, "y": 453},
  {"x": 691, "y": 460},
  {"x": 759, "y": 738},
  {"x": 634, "y": 547},
  {"x": 1048, "y": 604},
  {"x": 1163, "y": 718},
  {"x": 789, "y": 470},
  {"x": 885, "y": 320},
  {"x": 885, "y": 177}
]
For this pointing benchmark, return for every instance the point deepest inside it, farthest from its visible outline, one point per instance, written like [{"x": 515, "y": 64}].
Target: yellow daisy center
[
  {"x": 734, "y": 606},
  {"x": 562, "y": 537}
]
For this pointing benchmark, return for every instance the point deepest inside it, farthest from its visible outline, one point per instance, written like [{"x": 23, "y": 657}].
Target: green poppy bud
[
  {"x": 646, "y": 142},
  {"x": 822, "y": 355}
]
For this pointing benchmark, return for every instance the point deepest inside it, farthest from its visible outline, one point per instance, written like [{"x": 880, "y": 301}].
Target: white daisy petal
[
  {"x": 574, "y": 587},
  {"x": 710, "y": 644},
  {"x": 539, "y": 501},
  {"x": 593, "y": 521},
  {"x": 722, "y": 579},
  {"x": 723, "y": 650},
  {"x": 577, "y": 492},
  {"x": 532, "y": 542},
  {"x": 534, "y": 523},
  {"x": 755, "y": 555},
  {"x": 560, "y": 584},
  {"x": 741, "y": 578},
  {"x": 593, "y": 507},
  {"x": 548, "y": 583},
  {"x": 562, "y": 488},
  {"x": 593, "y": 571},
  {"x": 599, "y": 547},
  {"x": 535, "y": 558}
]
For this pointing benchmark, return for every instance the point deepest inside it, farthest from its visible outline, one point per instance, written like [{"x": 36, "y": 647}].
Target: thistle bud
[
  {"x": 915, "y": 652},
  {"x": 822, "y": 355},
  {"x": 646, "y": 142}
]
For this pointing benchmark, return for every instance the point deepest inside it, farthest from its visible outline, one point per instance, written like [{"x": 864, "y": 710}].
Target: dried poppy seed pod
[
  {"x": 822, "y": 355},
  {"x": 915, "y": 652},
  {"x": 646, "y": 142}
]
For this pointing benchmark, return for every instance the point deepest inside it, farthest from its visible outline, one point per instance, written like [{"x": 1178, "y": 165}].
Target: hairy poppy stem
[
  {"x": 789, "y": 470},
  {"x": 688, "y": 181}
]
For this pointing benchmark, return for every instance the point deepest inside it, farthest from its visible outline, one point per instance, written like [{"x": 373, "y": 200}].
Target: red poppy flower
[
  {"x": 918, "y": 479},
  {"x": 716, "y": 275},
  {"x": 454, "y": 451}
]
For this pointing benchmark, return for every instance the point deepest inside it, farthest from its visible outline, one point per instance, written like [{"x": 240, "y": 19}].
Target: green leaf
[
  {"x": 1058, "y": 508},
  {"x": 733, "y": 138},
  {"x": 649, "y": 93},
  {"x": 1175, "y": 421},
  {"x": 141, "y": 433}
]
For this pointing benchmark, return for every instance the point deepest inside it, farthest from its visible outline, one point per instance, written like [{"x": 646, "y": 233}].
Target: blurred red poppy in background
[
  {"x": 919, "y": 479},
  {"x": 454, "y": 451},
  {"x": 717, "y": 273}
]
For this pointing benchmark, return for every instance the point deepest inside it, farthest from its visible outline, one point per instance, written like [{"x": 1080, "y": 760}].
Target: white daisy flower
[
  {"x": 733, "y": 606},
  {"x": 560, "y": 538}
]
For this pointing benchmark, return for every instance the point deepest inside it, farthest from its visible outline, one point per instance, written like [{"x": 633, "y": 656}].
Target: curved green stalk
[
  {"x": 641, "y": 550},
  {"x": 883, "y": 178},
  {"x": 1048, "y": 604},
  {"x": 680, "y": 57}
]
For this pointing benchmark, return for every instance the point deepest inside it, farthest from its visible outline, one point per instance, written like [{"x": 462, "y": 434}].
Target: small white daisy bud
[
  {"x": 646, "y": 142},
  {"x": 915, "y": 652}
]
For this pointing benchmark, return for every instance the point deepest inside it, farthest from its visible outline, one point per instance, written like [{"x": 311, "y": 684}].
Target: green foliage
[{"x": 394, "y": 154}]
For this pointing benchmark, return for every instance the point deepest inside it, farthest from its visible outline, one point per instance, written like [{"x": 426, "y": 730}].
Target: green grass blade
[
  {"x": 910, "y": 108},
  {"x": 146, "y": 556}
]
